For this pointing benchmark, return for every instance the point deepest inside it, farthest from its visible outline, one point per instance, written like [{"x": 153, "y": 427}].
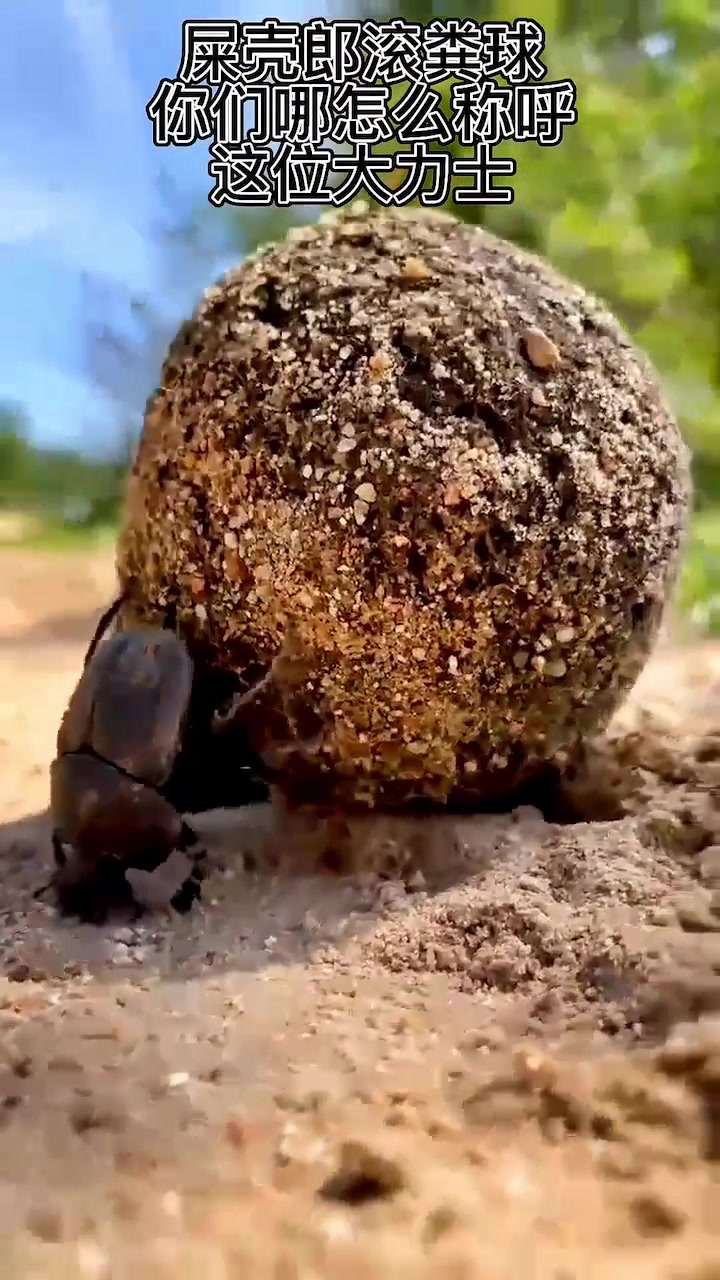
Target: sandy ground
[{"x": 494, "y": 1052}]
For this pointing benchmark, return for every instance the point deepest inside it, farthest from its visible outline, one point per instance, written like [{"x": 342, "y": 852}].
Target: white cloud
[
  {"x": 119, "y": 126},
  {"x": 90, "y": 24},
  {"x": 84, "y": 230},
  {"x": 63, "y": 407},
  {"x": 22, "y": 216}
]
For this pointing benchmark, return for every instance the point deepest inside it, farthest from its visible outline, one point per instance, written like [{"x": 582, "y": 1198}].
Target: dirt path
[{"x": 499, "y": 1057}]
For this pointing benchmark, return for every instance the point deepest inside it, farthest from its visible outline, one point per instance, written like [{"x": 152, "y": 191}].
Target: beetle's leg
[
  {"x": 213, "y": 771},
  {"x": 190, "y": 844},
  {"x": 106, "y": 619},
  {"x": 60, "y": 861},
  {"x": 174, "y": 880},
  {"x": 234, "y": 711},
  {"x": 58, "y": 852},
  {"x": 284, "y": 719}
]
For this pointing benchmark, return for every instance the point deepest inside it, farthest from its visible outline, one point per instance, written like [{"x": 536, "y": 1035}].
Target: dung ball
[{"x": 426, "y": 488}]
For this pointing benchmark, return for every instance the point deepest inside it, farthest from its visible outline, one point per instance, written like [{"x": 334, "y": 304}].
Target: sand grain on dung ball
[{"x": 438, "y": 467}]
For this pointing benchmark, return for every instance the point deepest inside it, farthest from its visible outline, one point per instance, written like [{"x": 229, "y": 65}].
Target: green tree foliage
[
  {"x": 59, "y": 485},
  {"x": 13, "y": 450}
]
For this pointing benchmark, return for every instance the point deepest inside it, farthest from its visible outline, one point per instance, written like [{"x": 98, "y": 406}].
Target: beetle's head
[
  {"x": 104, "y": 822},
  {"x": 91, "y": 890}
]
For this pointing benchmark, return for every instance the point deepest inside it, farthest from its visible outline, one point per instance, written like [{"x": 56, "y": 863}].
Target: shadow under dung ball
[{"x": 421, "y": 461}]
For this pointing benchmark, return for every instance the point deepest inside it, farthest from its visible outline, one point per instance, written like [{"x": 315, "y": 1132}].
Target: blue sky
[{"x": 78, "y": 183}]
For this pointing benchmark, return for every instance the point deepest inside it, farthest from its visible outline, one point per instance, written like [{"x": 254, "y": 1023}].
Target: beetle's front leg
[
  {"x": 190, "y": 890},
  {"x": 174, "y": 882},
  {"x": 59, "y": 854},
  {"x": 214, "y": 771}
]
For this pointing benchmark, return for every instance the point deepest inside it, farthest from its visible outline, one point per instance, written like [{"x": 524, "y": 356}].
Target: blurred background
[{"x": 106, "y": 242}]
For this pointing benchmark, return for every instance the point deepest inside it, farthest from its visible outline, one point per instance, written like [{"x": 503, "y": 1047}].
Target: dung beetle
[{"x": 135, "y": 744}]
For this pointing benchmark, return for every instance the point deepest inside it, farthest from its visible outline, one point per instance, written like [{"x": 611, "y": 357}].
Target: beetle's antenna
[{"x": 107, "y": 617}]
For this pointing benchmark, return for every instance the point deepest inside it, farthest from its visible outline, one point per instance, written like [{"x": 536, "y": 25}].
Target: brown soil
[{"x": 490, "y": 1050}]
